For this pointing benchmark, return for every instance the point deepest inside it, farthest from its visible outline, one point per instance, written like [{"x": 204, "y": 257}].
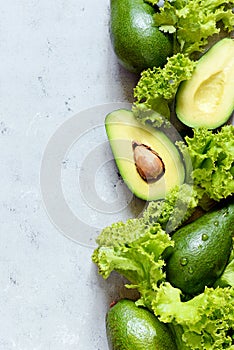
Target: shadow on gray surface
[{"x": 128, "y": 81}]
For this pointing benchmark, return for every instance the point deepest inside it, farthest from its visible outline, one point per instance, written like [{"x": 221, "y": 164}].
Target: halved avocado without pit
[
  {"x": 147, "y": 159},
  {"x": 207, "y": 99}
]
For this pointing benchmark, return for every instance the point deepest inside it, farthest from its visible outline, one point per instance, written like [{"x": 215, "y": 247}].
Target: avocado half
[
  {"x": 207, "y": 99},
  {"x": 124, "y": 133}
]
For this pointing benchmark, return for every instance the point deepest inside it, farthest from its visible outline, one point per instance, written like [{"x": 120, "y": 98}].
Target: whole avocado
[
  {"x": 135, "y": 328},
  {"x": 201, "y": 252},
  {"x": 137, "y": 42}
]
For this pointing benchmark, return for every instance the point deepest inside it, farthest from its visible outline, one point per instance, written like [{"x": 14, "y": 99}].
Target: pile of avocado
[
  {"x": 198, "y": 258},
  {"x": 151, "y": 165},
  {"x": 205, "y": 100},
  {"x": 140, "y": 45}
]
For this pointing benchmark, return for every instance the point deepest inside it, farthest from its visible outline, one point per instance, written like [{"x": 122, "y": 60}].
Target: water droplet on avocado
[
  {"x": 205, "y": 237},
  {"x": 190, "y": 270},
  {"x": 183, "y": 261}
]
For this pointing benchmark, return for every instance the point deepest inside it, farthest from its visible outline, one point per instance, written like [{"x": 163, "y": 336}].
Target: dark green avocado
[
  {"x": 137, "y": 42},
  {"x": 201, "y": 252},
  {"x": 134, "y": 328}
]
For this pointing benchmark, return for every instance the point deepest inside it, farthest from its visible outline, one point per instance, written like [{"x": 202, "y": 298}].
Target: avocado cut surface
[
  {"x": 133, "y": 328},
  {"x": 124, "y": 133},
  {"x": 207, "y": 99},
  {"x": 201, "y": 252},
  {"x": 137, "y": 42}
]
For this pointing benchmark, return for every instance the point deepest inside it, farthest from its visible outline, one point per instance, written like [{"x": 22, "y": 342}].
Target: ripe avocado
[
  {"x": 147, "y": 160},
  {"x": 137, "y": 42},
  {"x": 201, "y": 252},
  {"x": 130, "y": 327},
  {"x": 207, "y": 99}
]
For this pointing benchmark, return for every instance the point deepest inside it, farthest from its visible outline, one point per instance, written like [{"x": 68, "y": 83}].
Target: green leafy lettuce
[
  {"x": 212, "y": 158},
  {"x": 136, "y": 248},
  {"x": 169, "y": 213},
  {"x": 194, "y": 21},
  {"x": 140, "y": 261},
  {"x": 204, "y": 322},
  {"x": 157, "y": 88},
  {"x": 175, "y": 209}
]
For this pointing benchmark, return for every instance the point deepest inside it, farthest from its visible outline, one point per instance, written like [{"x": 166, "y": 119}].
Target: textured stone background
[{"x": 55, "y": 60}]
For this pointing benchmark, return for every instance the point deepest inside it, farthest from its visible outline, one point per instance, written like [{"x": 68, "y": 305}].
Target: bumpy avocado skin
[
  {"x": 201, "y": 252},
  {"x": 137, "y": 42},
  {"x": 132, "y": 328}
]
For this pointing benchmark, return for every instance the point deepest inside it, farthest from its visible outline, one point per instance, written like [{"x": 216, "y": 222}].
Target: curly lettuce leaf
[
  {"x": 135, "y": 248},
  {"x": 212, "y": 157},
  {"x": 122, "y": 232},
  {"x": 204, "y": 322},
  {"x": 155, "y": 112},
  {"x": 175, "y": 209},
  {"x": 169, "y": 213},
  {"x": 194, "y": 21},
  {"x": 157, "y": 88},
  {"x": 139, "y": 261}
]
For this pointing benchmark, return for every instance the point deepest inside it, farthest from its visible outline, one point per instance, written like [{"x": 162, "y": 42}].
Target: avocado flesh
[
  {"x": 207, "y": 99},
  {"x": 123, "y": 129}
]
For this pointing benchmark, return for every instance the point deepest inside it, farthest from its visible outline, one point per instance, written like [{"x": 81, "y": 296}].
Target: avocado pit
[{"x": 148, "y": 163}]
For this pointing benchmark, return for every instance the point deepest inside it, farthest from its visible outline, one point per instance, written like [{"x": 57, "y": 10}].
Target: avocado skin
[
  {"x": 130, "y": 327},
  {"x": 137, "y": 43},
  {"x": 201, "y": 252}
]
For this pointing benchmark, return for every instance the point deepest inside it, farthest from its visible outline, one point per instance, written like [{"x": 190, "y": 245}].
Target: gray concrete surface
[{"x": 55, "y": 60}]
